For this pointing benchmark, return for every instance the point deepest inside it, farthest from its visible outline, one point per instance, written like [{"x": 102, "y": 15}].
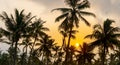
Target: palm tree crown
[
  {"x": 15, "y": 28},
  {"x": 72, "y": 15},
  {"x": 106, "y": 36},
  {"x": 85, "y": 54}
]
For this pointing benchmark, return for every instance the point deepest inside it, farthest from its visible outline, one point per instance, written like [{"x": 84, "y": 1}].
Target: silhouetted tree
[
  {"x": 72, "y": 15},
  {"x": 106, "y": 37},
  {"x": 4, "y": 59},
  {"x": 37, "y": 30},
  {"x": 15, "y": 27},
  {"x": 45, "y": 49},
  {"x": 85, "y": 54}
]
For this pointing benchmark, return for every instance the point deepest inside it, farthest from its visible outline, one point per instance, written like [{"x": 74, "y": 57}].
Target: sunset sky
[{"x": 42, "y": 8}]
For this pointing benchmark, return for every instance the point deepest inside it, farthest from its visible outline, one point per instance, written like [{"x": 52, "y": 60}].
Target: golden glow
[{"x": 77, "y": 45}]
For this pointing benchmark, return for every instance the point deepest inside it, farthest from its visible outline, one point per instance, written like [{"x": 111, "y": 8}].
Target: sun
[{"x": 77, "y": 45}]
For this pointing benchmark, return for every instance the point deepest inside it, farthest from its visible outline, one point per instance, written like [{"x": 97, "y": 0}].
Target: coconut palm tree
[
  {"x": 26, "y": 43},
  {"x": 56, "y": 56},
  {"x": 106, "y": 36},
  {"x": 64, "y": 34},
  {"x": 36, "y": 30},
  {"x": 72, "y": 50},
  {"x": 15, "y": 27},
  {"x": 73, "y": 14},
  {"x": 85, "y": 54},
  {"x": 45, "y": 49}
]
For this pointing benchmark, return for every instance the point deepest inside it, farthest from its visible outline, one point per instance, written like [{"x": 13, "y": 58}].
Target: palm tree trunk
[
  {"x": 26, "y": 50},
  {"x": 83, "y": 60},
  {"x": 22, "y": 59},
  {"x": 11, "y": 54},
  {"x": 63, "y": 43},
  {"x": 69, "y": 39},
  {"x": 15, "y": 54},
  {"x": 67, "y": 49},
  {"x": 103, "y": 55}
]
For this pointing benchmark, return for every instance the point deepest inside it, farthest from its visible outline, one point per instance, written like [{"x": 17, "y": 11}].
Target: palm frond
[
  {"x": 72, "y": 3},
  {"x": 96, "y": 43},
  {"x": 115, "y": 35},
  {"x": 87, "y": 13},
  {"x": 5, "y": 32},
  {"x": 61, "y": 17},
  {"x": 84, "y": 20},
  {"x": 4, "y": 16},
  {"x": 64, "y": 25},
  {"x": 73, "y": 36},
  {"x": 114, "y": 41},
  {"x": 114, "y": 30},
  {"x": 63, "y": 10},
  {"x": 91, "y": 36},
  {"x": 73, "y": 31},
  {"x": 97, "y": 26},
  {"x": 107, "y": 25},
  {"x": 76, "y": 20},
  {"x": 84, "y": 4}
]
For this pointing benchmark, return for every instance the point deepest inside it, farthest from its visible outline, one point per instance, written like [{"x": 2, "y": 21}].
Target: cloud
[
  {"x": 50, "y": 3},
  {"x": 29, "y": 6},
  {"x": 106, "y": 8}
]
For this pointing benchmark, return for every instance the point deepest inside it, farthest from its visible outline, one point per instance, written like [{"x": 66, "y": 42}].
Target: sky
[{"x": 103, "y": 9}]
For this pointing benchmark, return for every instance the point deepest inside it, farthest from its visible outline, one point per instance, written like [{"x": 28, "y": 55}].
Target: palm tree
[
  {"x": 26, "y": 43},
  {"x": 64, "y": 34},
  {"x": 73, "y": 14},
  {"x": 36, "y": 30},
  {"x": 45, "y": 49},
  {"x": 15, "y": 27},
  {"x": 85, "y": 54},
  {"x": 106, "y": 37},
  {"x": 72, "y": 54},
  {"x": 56, "y": 56}
]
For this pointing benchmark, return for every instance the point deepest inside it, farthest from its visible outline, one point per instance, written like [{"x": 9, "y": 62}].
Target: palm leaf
[
  {"x": 76, "y": 21},
  {"x": 96, "y": 43},
  {"x": 84, "y": 4},
  {"x": 115, "y": 35},
  {"x": 63, "y": 10},
  {"x": 87, "y": 13},
  {"x": 83, "y": 19},
  {"x": 61, "y": 17},
  {"x": 91, "y": 36}
]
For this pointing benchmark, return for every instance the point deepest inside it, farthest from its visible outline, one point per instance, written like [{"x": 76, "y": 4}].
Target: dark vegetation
[{"x": 38, "y": 48}]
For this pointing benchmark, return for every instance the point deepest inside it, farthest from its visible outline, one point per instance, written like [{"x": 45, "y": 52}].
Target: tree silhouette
[
  {"x": 72, "y": 15},
  {"x": 85, "y": 54},
  {"x": 45, "y": 49},
  {"x": 15, "y": 27},
  {"x": 36, "y": 30},
  {"x": 106, "y": 37}
]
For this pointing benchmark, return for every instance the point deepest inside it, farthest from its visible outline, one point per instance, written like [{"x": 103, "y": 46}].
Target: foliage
[{"x": 30, "y": 44}]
